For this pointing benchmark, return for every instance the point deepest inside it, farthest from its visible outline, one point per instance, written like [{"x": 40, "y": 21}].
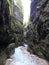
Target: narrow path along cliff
[{"x": 23, "y": 57}]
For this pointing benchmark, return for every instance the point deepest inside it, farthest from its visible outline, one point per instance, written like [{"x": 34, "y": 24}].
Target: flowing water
[
  {"x": 19, "y": 58},
  {"x": 23, "y": 57}
]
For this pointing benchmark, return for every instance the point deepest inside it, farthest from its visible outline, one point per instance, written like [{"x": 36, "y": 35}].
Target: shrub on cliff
[{"x": 17, "y": 29}]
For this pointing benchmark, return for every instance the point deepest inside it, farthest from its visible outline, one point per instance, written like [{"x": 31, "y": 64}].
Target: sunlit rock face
[
  {"x": 16, "y": 13},
  {"x": 38, "y": 30}
]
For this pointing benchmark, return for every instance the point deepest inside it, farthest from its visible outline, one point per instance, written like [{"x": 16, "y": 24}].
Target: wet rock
[
  {"x": 5, "y": 53},
  {"x": 3, "y": 57},
  {"x": 8, "y": 61},
  {"x": 10, "y": 49}
]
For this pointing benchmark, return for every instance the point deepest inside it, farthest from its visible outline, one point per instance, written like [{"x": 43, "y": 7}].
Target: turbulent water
[{"x": 19, "y": 58}]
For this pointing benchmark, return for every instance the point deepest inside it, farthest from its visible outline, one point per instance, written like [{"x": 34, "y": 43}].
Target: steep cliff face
[
  {"x": 38, "y": 30},
  {"x": 10, "y": 24},
  {"x": 17, "y": 23},
  {"x": 16, "y": 12},
  {"x": 11, "y": 29},
  {"x": 5, "y": 28},
  {"x": 4, "y": 23}
]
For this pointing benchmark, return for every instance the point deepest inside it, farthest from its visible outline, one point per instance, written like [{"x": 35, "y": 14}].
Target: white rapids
[
  {"x": 23, "y": 57},
  {"x": 19, "y": 58}
]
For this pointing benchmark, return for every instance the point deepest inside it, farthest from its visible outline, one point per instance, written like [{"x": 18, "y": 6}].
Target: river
[
  {"x": 22, "y": 57},
  {"x": 19, "y": 58}
]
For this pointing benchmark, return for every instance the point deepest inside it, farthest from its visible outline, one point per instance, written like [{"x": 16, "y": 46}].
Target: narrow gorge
[{"x": 24, "y": 43}]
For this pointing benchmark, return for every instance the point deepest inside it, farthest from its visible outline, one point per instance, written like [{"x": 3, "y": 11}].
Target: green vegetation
[
  {"x": 17, "y": 29},
  {"x": 9, "y": 3},
  {"x": 11, "y": 32},
  {"x": 8, "y": 28},
  {"x": 16, "y": 26}
]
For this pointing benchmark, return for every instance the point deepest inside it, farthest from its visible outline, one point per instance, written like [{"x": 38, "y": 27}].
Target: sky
[{"x": 26, "y": 10}]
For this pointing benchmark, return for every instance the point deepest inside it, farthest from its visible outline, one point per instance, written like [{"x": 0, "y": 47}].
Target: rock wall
[
  {"x": 5, "y": 30},
  {"x": 16, "y": 13},
  {"x": 17, "y": 24},
  {"x": 4, "y": 23},
  {"x": 38, "y": 30},
  {"x": 10, "y": 30}
]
